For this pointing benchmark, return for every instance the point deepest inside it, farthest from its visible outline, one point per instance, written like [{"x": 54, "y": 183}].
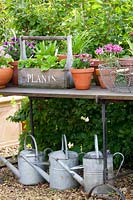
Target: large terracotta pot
[
  {"x": 15, "y": 72},
  {"x": 5, "y": 76},
  {"x": 103, "y": 86},
  {"x": 108, "y": 76},
  {"x": 128, "y": 63},
  {"x": 82, "y": 78},
  {"x": 94, "y": 63}
]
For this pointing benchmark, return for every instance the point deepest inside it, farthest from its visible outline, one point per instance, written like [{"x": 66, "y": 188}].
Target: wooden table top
[{"x": 94, "y": 93}]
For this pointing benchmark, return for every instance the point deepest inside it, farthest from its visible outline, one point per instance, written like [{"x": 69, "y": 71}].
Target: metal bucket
[
  {"x": 93, "y": 171},
  {"x": 60, "y": 178},
  {"x": 28, "y": 175}
]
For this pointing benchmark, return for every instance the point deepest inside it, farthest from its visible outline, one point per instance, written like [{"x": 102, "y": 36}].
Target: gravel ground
[{"x": 11, "y": 189}]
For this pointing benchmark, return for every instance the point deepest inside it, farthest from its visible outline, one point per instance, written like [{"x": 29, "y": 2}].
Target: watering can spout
[
  {"x": 10, "y": 166},
  {"x": 77, "y": 177},
  {"x": 38, "y": 169}
]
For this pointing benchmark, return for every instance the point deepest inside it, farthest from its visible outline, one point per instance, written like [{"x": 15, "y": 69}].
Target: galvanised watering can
[
  {"x": 93, "y": 169},
  {"x": 26, "y": 174},
  {"x": 59, "y": 161}
]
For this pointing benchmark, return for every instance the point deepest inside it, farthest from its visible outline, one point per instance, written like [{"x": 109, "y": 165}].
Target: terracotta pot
[
  {"x": 15, "y": 72},
  {"x": 82, "y": 78},
  {"x": 94, "y": 63},
  {"x": 61, "y": 57},
  {"x": 108, "y": 77},
  {"x": 103, "y": 86},
  {"x": 128, "y": 63},
  {"x": 5, "y": 76}
]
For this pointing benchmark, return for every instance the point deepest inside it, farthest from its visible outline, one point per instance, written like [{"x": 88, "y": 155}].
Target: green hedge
[{"x": 54, "y": 117}]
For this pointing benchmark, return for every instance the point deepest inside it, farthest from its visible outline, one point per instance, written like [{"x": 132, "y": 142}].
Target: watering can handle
[
  {"x": 35, "y": 144},
  {"x": 64, "y": 147},
  {"x": 45, "y": 150},
  {"x": 118, "y": 153}
]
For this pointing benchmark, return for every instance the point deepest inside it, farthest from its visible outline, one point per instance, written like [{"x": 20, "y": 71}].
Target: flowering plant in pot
[
  {"x": 6, "y": 70},
  {"x": 107, "y": 71},
  {"x": 81, "y": 71},
  {"x": 12, "y": 47},
  {"x": 109, "y": 54}
]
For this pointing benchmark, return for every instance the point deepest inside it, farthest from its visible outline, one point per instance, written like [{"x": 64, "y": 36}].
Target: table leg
[
  {"x": 31, "y": 117},
  {"x": 105, "y": 169},
  {"x": 1, "y": 181}
]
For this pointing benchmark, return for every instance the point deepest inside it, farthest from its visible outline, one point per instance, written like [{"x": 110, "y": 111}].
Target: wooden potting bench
[{"x": 103, "y": 96}]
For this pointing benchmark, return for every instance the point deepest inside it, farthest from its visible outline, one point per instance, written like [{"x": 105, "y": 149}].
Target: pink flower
[
  {"x": 108, "y": 48},
  {"x": 7, "y": 56},
  {"x": 1, "y": 48},
  {"x": 99, "y": 51},
  {"x": 117, "y": 48}
]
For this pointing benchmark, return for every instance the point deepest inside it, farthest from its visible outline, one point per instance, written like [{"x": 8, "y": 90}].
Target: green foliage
[
  {"x": 104, "y": 21},
  {"x": 130, "y": 46},
  {"x": 23, "y": 113},
  {"x": 80, "y": 42},
  {"x": 44, "y": 62},
  {"x": 44, "y": 57},
  {"x": 54, "y": 117},
  {"x": 45, "y": 49}
]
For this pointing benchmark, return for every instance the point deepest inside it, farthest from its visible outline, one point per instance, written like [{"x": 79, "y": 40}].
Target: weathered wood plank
[
  {"x": 52, "y": 78},
  {"x": 95, "y": 92},
  {"x": 43, "y": 37}
]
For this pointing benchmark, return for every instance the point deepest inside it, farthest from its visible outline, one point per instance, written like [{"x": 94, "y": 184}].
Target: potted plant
[
  {"x": 81, "y": 71},
  {"x": 12, "y": 47},
  {"x": 109, "y": 55},
  {"x": 80, "y": 43},
  {"x": 127, "y": 60},
  {"x": 42, "y": 72},
  {"x": 6, "y": 70}
]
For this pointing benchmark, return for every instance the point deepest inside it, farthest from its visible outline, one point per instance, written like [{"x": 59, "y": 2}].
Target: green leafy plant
[
  {"x": 45, "y": 48},
  {"x": 5, "y": 58},
  {"x": 80, "y": 42},
  {"x": 81, "y": 61},
  {"x": 45, "y": 62},
  {"x": 130, "y": 46}
]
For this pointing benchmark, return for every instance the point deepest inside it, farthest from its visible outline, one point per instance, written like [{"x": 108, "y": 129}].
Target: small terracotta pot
[
  {"x": 5, "y": 76},
  {"x": 61, "y": 57},
  {"x": 15, "y": 72},
  {"x": 82, "y": 78}
]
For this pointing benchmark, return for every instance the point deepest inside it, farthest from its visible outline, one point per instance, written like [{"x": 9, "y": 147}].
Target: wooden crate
[{"x": 52, "y": 78}]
